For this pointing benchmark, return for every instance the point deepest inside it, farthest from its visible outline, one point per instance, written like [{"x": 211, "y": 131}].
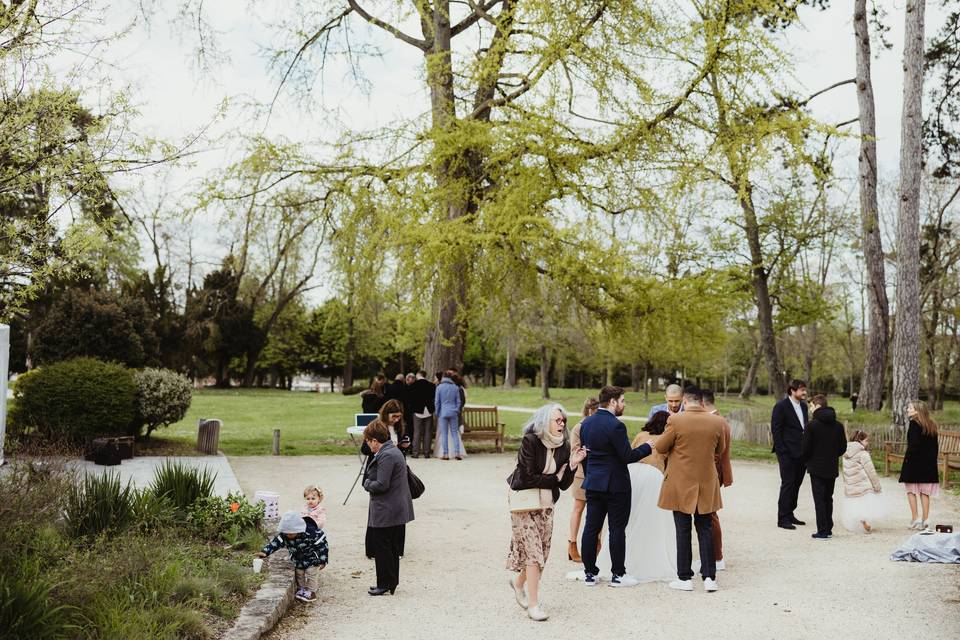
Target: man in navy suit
[
  {"x": 607, "y": 485},
  {"x": 787, "y": 422}
]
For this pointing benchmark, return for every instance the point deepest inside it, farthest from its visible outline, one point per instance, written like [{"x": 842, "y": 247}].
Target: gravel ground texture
[{"x": 453, "y": 584}]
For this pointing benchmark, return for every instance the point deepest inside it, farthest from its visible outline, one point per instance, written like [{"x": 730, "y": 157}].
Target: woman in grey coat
[{"x": 391, "y": 506}]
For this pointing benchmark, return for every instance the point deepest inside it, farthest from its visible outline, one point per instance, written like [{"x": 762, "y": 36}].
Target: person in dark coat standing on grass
[
  {"x": 787, "y": 422},
  {"x": 824, "y": 442}
]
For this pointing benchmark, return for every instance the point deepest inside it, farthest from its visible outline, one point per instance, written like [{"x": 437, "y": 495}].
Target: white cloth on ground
[{"x": 935, "y": 547}]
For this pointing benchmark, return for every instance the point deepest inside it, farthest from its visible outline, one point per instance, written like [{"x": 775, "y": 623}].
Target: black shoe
[
  {"x": 381, "y": 591},
  {"x": 820, "y": 536},
  {"x": 416, "y": 455},
  {"x": 786, "y": 525},
  {"x": 794, "y": 520}
]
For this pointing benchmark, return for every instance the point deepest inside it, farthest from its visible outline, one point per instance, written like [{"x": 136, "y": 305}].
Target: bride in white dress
[{"x": 651, "y": 554}]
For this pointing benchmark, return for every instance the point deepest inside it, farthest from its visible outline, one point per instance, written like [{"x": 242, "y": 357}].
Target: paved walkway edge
[{"x": 264, "y": 610}]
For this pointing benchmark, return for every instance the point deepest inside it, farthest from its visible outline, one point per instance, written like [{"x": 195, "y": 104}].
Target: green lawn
[{"x": 312, "y": 423}]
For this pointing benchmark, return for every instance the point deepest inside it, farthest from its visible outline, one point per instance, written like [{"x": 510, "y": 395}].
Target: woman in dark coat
[
  {"x": 544, "y": 463},
  {"x": 919, "y": 471},
  {"x": 391, "y": 507},
  {"x": 372, "y": 399}
]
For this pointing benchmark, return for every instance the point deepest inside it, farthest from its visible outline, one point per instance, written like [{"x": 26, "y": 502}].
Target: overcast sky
[{"x": 175, "y": 99}]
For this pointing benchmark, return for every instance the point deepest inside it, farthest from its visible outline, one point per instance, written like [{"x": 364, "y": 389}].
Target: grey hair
[
  {"x": 540, "y": 422},
  {"x": 674, "y": 388}
]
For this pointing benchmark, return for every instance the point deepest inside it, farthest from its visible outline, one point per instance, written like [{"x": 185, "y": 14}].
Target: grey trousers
[
  {"x": 422, "y": 436},
  {"x": 307, "y": 578}
]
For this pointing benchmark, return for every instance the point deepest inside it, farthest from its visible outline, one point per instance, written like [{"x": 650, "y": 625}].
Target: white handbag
[{"x": 524, "y": 500}]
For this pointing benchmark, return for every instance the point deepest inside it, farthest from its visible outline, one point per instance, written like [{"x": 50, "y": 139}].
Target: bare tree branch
[
  {"x": 480, "y": 11},
  {"x": 423, "y": 45}
]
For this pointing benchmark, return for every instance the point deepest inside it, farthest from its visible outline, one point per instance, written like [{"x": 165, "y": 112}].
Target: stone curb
[{"x": 269, "y": 604}]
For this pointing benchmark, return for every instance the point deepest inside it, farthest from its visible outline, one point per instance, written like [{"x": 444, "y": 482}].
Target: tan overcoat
[{"x": 691, "y": 441}]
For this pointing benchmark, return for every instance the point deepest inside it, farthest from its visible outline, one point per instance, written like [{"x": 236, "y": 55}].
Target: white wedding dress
[{"x": 651, "y": 554}]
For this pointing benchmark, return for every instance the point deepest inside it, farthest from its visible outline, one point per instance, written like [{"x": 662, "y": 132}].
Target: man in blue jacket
[
  {"x": 607, "y": 485},
  {"x": 447, "y": 404}
]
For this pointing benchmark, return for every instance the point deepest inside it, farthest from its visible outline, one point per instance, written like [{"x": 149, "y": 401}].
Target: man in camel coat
[
  {"x": 725, "y": 472},
  {"x": 691, "y": 486}
]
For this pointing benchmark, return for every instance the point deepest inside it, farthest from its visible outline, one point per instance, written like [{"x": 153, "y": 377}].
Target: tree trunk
[
  {"x": 350, "y": 350},
  {"x": 510, "y": 372},
  {"x": 875, "y": 363},
  {"x": 906, "y": 340},
  {"x": 761, "y": 291},
  {"x": 749, "y": 383},
  {"x": 487, "y": 375},
  {"x": 810, "y": 354},
  {"x": 931, "y": 328},
  {"x": 609, "y": 374},
  {"x": 646, "y": 382},
  {"x": 250, "y": 370},
  {"x": 544, "y": 373},
  {"x": 635, "y": 376}
]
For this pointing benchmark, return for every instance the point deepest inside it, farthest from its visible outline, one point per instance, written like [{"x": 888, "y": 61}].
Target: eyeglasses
[{"x": 561, "y": 421}]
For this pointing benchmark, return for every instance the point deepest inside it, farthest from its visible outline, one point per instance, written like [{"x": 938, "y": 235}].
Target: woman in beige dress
[{"x": 579, "y": 495}]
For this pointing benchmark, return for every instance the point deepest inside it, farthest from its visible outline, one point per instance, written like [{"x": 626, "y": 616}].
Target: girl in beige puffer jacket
[{"x": 861, "y": 486}]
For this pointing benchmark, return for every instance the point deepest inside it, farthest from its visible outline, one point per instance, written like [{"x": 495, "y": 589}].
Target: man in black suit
[
  {"x": 607, "y": 485},
  {"x": 422, "y": 393},
  {"x": 787, "y": 422}
]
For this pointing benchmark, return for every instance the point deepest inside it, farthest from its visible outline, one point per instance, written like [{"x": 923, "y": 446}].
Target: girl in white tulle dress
[{"x": 861, "y": 486}]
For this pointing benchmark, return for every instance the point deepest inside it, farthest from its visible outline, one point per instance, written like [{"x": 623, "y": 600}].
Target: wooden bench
[
  {"x": 483, "y": 423},
  {"x": 948, "y": 457}
]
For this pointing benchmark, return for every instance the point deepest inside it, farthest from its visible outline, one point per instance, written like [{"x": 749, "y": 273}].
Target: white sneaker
[
  {"x": 519, "y": 594},
  {"x": 709, "y": 584},
  {"x": 625, "y": 580},
  {"x": 916, "y": 524},
  {"x": 682, "y": 585},
  {"x": 536, "y": 613},
  {"x": 721, "y": 565}
]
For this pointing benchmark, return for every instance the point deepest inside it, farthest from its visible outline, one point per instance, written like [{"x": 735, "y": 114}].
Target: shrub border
[{"x": 262, "y": 612}]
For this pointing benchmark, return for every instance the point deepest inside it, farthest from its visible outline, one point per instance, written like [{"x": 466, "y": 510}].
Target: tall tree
[
  {"x": 906, "y": 342},
  {"x": 875, "y": 365},
  {"x": 517, "y": 89}
]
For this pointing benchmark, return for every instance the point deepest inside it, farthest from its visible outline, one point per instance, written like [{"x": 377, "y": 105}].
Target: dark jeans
[
  {"x": 704, "y": 524},
  {"x": 792, "y": 471},
  {"x": 616, "y": 508},
  {"x": 386, "y": 545},
  {"x": 822, "y": 489},
  {"x": 422, "y": 436}
]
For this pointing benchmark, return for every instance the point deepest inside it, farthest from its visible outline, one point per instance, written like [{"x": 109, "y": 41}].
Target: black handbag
[{"x": 416, "y": 484}]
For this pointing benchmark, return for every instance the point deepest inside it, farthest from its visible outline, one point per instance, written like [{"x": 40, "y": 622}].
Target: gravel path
[{"x": 779, "y": 584}]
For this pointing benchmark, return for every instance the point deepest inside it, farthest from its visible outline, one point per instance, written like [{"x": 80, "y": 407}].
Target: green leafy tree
[{"x": 97, "y": 324}]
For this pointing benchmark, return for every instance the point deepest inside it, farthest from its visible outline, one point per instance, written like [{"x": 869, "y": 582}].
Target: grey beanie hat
[{"x": 292, "y": 522}]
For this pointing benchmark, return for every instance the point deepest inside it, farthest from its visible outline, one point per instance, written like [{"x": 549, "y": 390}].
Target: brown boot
[{"x": 572, "y": 554}]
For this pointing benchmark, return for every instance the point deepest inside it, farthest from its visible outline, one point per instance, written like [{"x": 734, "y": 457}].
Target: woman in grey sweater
[{"x": 391, "y": 506}]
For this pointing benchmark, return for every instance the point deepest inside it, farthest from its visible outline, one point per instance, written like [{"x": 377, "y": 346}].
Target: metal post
[{"x": 4, "y": 372}]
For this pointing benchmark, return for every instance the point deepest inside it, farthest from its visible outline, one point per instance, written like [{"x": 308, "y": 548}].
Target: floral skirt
[
  {"x": 530, "y": 543},
  {"x": 931, "y": 489}
]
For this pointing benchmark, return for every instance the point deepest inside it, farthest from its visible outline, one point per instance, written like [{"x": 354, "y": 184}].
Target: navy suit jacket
[
  {"x": 787, "y": 430},
  {"x": 610, "y": 453}
]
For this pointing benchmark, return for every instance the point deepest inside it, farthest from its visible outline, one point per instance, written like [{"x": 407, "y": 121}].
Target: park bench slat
[{"x": 483, "y": 423}]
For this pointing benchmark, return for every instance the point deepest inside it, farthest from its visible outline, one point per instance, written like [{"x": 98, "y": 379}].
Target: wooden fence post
[{"x": 276, "y": 442}]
